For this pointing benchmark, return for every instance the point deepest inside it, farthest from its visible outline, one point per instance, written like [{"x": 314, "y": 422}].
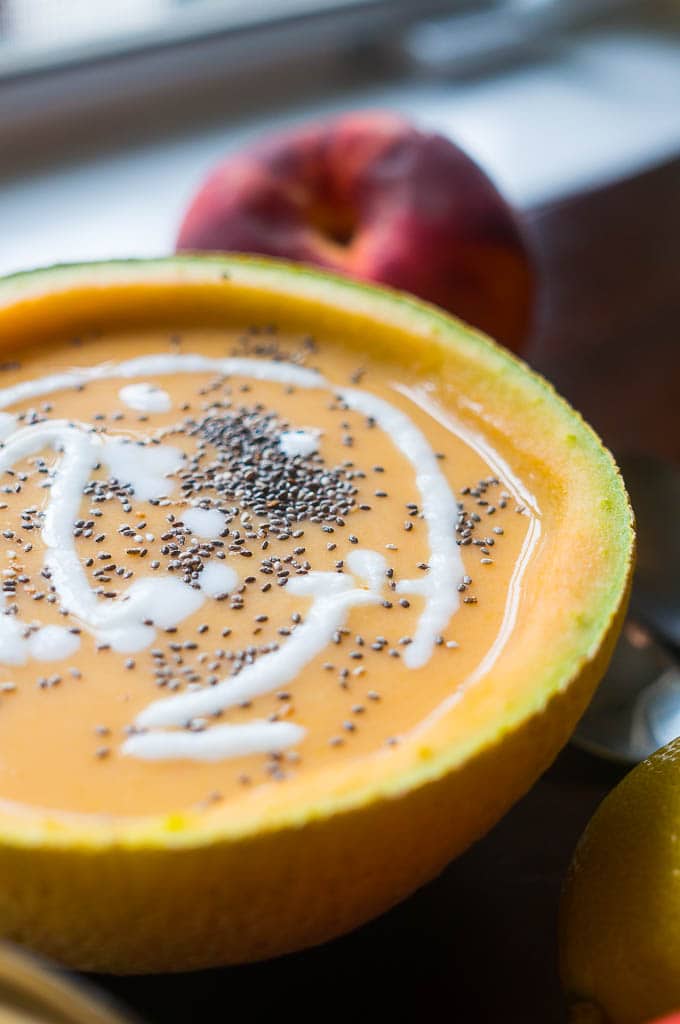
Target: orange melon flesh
[{"x": 113, "y": 862}]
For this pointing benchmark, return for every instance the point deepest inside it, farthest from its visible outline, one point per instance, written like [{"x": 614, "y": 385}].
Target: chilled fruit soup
[{"x": 232, "y": 558}]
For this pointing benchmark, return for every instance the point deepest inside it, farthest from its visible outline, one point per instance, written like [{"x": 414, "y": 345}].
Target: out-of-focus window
[
  {"x": 36, "y": 35},
  {"x": 71, "y": 70}
]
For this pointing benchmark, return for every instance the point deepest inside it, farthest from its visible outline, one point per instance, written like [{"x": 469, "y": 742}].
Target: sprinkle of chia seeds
[{"x": 240, "y": 470}]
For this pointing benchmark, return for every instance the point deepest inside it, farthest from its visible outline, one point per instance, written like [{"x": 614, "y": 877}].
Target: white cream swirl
[{"x": 166, "y": 601}]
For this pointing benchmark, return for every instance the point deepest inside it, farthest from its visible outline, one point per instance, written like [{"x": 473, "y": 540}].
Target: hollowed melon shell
[{"x": 179, "y": 892}]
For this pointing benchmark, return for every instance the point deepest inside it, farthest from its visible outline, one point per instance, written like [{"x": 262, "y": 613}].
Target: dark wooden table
[{"x": 479, "y": 944}]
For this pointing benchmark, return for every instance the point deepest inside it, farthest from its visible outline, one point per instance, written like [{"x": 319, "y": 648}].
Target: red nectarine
[{"x": 370, "y": 195}]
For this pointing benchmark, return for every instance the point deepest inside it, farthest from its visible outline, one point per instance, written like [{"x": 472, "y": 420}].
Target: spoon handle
[{"x": 29, "y": 992}]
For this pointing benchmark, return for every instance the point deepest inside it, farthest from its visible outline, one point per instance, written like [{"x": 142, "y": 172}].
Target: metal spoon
[
  {"x": 636, "y": 709},
  {"x": 30, "y": 993},
  {"x": 654, "y": 489}
]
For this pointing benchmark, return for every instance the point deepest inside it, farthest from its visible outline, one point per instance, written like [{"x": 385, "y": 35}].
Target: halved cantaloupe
[{"x": 184, "y": 889}]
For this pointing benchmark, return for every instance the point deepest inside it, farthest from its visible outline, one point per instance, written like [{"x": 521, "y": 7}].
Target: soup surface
[{"x": 232, "y": 560}]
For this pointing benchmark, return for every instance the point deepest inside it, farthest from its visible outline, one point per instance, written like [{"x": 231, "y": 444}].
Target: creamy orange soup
[{"x": 231, "y": 559}]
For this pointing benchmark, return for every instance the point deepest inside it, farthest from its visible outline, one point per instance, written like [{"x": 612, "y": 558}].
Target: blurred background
[{"x": 110, "y": 116}]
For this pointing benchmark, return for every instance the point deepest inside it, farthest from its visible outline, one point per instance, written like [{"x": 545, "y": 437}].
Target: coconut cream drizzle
[
  {"x": 8, "y": 424},
  {"x": 50, "y": 643},
  {"x": 299, "y": 442},
  {"x": 204, "y": 522},
  {"x": 161, "y": 365},
  {"x": 167, "y": 601},
  {"x": 439, "y": 510},
  {"x": 146, "y": 467},
  {"x": 217, "y": 743},
  {"x": 218, "y": 578},
  {"x": 333, "y": 595},
  {"x": 13, "y": 644},
  {"x": 163, "y": 599},
  {"x": 145, "y": 398}
]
